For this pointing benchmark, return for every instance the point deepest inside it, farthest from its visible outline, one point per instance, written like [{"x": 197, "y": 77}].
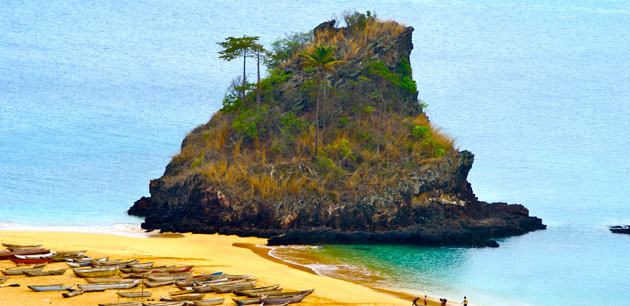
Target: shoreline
[{"x": 209, "y": 253}]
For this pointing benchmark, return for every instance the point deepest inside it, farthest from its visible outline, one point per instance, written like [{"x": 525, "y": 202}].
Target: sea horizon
[{"x": 95, "y": 100}]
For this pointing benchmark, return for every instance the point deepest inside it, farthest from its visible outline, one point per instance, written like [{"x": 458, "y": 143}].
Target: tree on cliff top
[
  {"x": 322, "y": 60},
  {"x": 236, "y": 47}
]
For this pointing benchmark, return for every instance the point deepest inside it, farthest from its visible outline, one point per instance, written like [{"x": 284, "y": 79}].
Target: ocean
[{"x": 96, "y": 96}]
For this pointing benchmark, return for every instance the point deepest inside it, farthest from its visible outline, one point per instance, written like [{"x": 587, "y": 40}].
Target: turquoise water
[{"x": 95, "y": 97}]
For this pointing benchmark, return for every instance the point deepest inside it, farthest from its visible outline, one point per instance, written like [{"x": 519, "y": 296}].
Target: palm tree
[{"x": 322, "y": 61}]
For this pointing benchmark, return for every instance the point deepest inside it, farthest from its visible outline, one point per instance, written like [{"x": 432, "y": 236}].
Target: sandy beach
[{"x": 209, "y": 253}]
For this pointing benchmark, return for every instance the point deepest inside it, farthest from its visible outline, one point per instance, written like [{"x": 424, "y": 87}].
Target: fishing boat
[
  {"x": 48, "y": 255},
  {"x": 231, "y": 288},
  {"x": 207, "y": 302},
  {"x": 257, "y": 289},
  {"x": 9, "y": 254},
  {"x": 109, "y": 286},
  {"x": 101, "y": 280},
  {"x": 156, "y": 277},
  {"x": 153, "y": 284},
  {"x": 55, "y": 287},
  {"x": 30, "y": 261},
  {"x": 21, "y": 246},
  {"x": 185, "y": 297},
  {"x": 246, "y": 301},
  {"x": 72, "y": 292},
  {"x": 19, "y": 271},
  {"x": 296, "y": 297},
  {"x": 118, "y": 263},
  {"x": 148, "y": 264},
  {"x": 180, "y": 292},
  {"x": 189, "y": 281},
  {"x": 165, "y": 304},
  {"x": 45, "y": 273},
  {"x": 95, "y": 272},
  {"x": 134, "y": 294},
  {"x": 259, "y": 294},
  {"x": 169, "y": 269},
  {"x": 121, "y": 304}
]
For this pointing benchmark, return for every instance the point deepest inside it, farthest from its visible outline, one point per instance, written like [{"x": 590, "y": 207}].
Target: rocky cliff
[{"x": 382, "y": 175}]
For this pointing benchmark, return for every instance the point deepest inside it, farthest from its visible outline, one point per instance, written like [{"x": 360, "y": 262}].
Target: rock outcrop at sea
[{"x": 435, "y": 205}]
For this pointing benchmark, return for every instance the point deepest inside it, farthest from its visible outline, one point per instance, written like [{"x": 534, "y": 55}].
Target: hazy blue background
[{"x": 96, "y": 96}]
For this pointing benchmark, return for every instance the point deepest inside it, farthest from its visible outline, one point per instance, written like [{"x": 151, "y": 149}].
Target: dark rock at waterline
[{"x": 620, "y": 229}]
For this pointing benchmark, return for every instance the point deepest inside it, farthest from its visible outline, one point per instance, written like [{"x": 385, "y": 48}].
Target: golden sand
[{"x": 209, "y": 253}]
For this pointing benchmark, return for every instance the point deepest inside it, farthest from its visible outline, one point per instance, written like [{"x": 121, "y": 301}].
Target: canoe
[
  {"x": 298, "y": 297},
  {"x": 165, "y": 304},
  {"x": 109, "y": 286},
  {"x": 180, "y": 292},
  {"x": 189, "y": 281},
  {"x": 21, "y": 246},
  {"x": 20, "y": 271},
  {"x": 101, "y": 280},
  {"x": 29, "y": 261},
  {"x": 9, "y": 254},
  {"x": 48, "y": 255},
  {"x": 230, "y": 288},
  {"x": 169, "y": 269},
  {"x": 95, "y": 272},
  {"x": 260, "y": 294},
  {"x": 185, "y": 297},
  {"x": 152, "y": 284},
  {"x": 121, "y": 304},
  {"x": 134, "y": 294},
  {"x": 72, "y": 293},
  {"x": 45, "y": 273},
  {"x": 257, "y": 289},
  {"x": 141, "y": 265},
  {"x": 55, "y": 287},
  {"x": 246, "y": 301},
  {"x": 164, "y": 277},
  {"x": 207, "y": 302},
  {"x": 118, "y": 263}
]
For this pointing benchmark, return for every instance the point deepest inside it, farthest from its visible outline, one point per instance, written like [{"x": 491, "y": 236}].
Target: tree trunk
[
  {"x": 243, "y": 88},
  {"x": 319, "y": 88},
  {"x": 258, "y": 72}
]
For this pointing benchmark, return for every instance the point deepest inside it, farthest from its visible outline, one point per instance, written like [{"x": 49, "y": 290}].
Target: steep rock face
[{"x": 434, "y": 205}]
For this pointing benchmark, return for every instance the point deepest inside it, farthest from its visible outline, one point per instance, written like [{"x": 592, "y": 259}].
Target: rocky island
[{"x": 332, "y": 147}]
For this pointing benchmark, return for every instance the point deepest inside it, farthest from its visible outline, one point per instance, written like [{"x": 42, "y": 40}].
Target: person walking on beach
[
  {"x": 415, "y": 301},
  {"x": 443, "y": 302},
  {"x": 425, "y": 300},
  {"x": 465, "y": 302}
]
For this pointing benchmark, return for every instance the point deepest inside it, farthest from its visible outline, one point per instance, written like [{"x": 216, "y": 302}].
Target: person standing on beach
[
  {"x": 425, "y": 300},
  {"x": 465, "y": 302},
  {"x": 443, "y": 302},
  {"x": 415, "y": 301}
]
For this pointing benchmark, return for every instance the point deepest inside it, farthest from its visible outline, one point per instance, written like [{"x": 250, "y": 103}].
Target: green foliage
[
  {"x": 344, "y": 150},
  {"x": 327, "y": 166},
  {"x": 198, "y": 162},
  {"x": 284, "y": 49},
  {"x": 420, "y": 131},
  {"x": 435, "y": 148},
  {"x": 402, "y": 78},
  {"x": 235, "y": 47},
  {"x": 292, "y": 126},
  {"x": 343, "y": 121},
  {"x": 250, "y": 122},
  {"x": 368, "y": 109},
  {"x": 358, "y": 20},
  {"x": 275, "y": 78}
]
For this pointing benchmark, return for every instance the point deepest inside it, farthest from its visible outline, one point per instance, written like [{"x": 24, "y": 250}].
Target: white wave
[{"x": 128, "y": 230}]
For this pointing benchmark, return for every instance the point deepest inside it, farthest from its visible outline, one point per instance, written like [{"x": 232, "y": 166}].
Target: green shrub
[
  {"x": 249, "y": 122},
  {"x": 420, "y": 132},
  {"x": 198, "y": 162},
  {"x": 292, "y": 126},
  {"x": 343, "y": 121},
  {"x": 284, "y": 49}
]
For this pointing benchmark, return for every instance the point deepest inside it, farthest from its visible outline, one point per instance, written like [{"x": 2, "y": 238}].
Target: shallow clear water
[{"x": 96, "y": 97}]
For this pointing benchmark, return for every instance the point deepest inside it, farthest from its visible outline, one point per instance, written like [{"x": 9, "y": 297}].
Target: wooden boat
[
  {"x": 21, "y": 246},
  {"x": 112, "y": 263},
  {"x": 95, "y": 272},
  {"x": 19, "y": 271},
  {"x": 184, "y": 297},
  {"x": 153, "y": 284},
  {"x": 148, "y": 264},
  {"x": 48, "y": 255},
  {"x": 109, "y": 286},
  {"x": 29, "y": 261},
  {"x": 231, "y": 288},
  {"x": 164, "y": 277},
  {"x": 259, "y": 294},
  {"x": 45, "y": 273},
  {"x": 135, "y": 294},
  {"x": 72, "y": 293},
  {"x": 165, "y": 304},
  {"x": 82, "y": 262},
  {"x": 180, "y": 292},
  {"x": 189, "y": 281},
  {"x": 246, "y": 301},
  {"x": 101, "y": 280},
  {"x": 207, "y": 286},
  {"x": 169, "y": 269},
  {"x": 55, "y": 287},
  {"x": 121, "y": 304},
  {"x": 207, "y": 302},
  {"x": 9, "y": 254},
  {"x": 257, "y": 289},
  {"x": 296, "y": 298}
]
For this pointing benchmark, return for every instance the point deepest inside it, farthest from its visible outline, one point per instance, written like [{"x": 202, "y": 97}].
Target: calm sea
[{"x": 96, "y": 96}]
